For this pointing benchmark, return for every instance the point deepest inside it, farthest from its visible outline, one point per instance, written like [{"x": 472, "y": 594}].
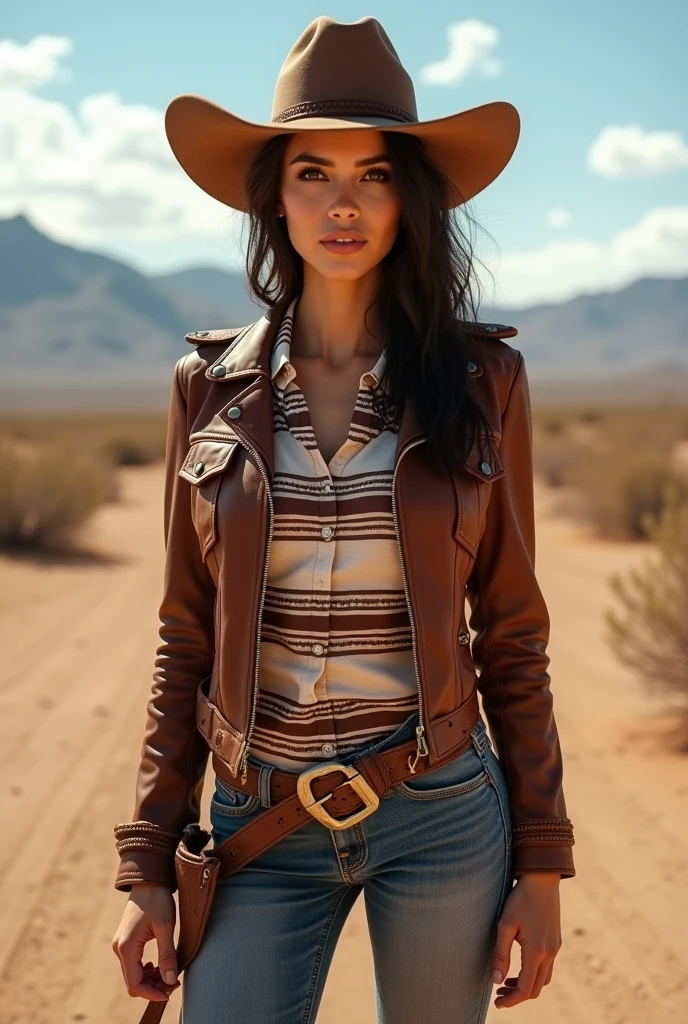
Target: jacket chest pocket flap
[
  {"x": 481, "y": 468},
  {"x": 203, "y": 467}
]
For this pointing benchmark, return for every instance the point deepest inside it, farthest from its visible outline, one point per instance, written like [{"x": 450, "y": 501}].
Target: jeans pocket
[
  {"x": 462, "y": 774},
  {"x": 228, "y": 802}
]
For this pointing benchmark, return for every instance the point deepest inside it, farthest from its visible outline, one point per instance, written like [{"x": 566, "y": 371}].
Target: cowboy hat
[{"x": 339, "y": 75}]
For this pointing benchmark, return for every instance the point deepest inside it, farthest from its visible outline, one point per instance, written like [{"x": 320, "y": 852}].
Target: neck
[{"x": 329, "y": 319}]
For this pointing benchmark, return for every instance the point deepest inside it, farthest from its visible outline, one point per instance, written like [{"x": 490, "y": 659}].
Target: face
[{"x": 339, "y": 184}]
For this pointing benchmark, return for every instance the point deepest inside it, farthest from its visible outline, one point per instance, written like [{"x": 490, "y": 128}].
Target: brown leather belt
[{"x": 337, "y": 795}]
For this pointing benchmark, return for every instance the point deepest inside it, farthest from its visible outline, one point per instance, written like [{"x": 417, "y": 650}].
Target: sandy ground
[{"x": 77, "y": 640}]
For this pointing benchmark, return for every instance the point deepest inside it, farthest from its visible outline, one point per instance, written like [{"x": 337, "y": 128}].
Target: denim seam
[
  {"x": 505, "y": 829},
  {"x": 339, "y": 898},
  {"x": 238, "y": 811},
  {"x": 504, "y": 890},
  {"x": 363, "y": 858},
  {"x": 438, "y": 794}
]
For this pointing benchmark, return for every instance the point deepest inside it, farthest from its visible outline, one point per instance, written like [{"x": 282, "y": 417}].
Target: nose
[
  {"x": 344, "y": 208},
  {"x": 344, "y": 214}
]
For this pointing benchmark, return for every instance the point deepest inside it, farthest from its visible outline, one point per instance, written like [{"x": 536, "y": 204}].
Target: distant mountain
[
  {"x": 220, "y": 288},
  {"x": 642, "y": 327},
  {"x": 70, "y": 318}
]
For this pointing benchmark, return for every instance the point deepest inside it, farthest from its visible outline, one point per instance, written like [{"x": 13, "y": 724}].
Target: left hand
[{"x": 531, "y": 915}]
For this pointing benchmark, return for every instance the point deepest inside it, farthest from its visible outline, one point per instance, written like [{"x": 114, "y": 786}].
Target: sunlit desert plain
[{"x": 78, "y": 633}]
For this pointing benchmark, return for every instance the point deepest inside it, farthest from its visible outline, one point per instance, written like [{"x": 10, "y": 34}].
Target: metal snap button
[
  {"x": 318, "y": 649},
  {"x": 198, "y": 468},
  {"x": 326, "y": 532},
  {"x": 472, "y": 367},
  {"x": 219, "y": 371},
  {"x": 234, "y": 412},
  {"x": 486, "y": 468},
  {"x": 491, "y": 327},
  {"x": 464, "y": 638},
  {"x": 328, "y": 749}
]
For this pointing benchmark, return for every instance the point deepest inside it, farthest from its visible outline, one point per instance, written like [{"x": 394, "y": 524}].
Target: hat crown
[{"x": 341, "y": 69}]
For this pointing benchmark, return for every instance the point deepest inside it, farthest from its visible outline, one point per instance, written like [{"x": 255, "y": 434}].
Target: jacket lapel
[{"x": 248, "y": 356}]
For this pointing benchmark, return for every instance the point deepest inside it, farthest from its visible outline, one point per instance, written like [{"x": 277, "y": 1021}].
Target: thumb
[
  {"x": 167, "y": 956},
  {"x": 501, "y": 954}
]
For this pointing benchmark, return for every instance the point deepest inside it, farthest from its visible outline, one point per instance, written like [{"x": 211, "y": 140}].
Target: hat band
[{"x": 344, "y": 108}]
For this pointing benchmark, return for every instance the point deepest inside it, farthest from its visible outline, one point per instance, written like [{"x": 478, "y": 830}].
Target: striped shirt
[{"x": 336, "y": 667}]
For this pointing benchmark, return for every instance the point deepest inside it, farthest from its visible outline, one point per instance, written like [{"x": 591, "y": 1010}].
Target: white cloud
[
  {"x": 26, "y": 67},
  {"x": 657, "y": 245},
  {"x": 558, "y": 217},
  {"x": 102, "y": 174},
  {"x": 471, "y": 43},
  {"x": 630, "y": 152}
]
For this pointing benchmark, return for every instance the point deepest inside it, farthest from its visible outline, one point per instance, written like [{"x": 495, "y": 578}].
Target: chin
[{"x": 345, "y": 270}]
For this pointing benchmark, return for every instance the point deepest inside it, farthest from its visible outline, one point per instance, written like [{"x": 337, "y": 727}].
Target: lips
[{"x": 343, "y": 242}]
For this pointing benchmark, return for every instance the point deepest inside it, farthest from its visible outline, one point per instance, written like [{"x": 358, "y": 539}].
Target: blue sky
[{"x": 596, "y": 194}]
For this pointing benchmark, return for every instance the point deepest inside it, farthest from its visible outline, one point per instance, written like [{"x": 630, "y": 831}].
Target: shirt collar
[{"x": 281, "y": 369}]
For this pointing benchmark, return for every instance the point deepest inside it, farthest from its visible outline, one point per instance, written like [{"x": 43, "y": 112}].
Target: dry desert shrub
[
  {"x": 48, "y": 490},
  {"x": 621, "y": 487},
  {"x": 125, "y": 438},
  {"x": 650, "y": 630},
  {"x": 130, "y": 449},
  {"x": 555, "y": 458}
]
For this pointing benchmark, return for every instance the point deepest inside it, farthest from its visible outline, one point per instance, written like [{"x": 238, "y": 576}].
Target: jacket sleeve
[
  {"x": 511, "y": 623},
  {"x": 174, "y": 754}
]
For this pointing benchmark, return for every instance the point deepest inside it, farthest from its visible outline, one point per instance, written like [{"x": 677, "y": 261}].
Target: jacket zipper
[
  {"x": 243, "y": 749},
  {"x": 254, "y": 703},
  {"x": 421, "y": 745}
]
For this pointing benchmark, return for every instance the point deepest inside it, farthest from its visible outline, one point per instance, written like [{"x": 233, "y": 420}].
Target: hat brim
[{"x": 216, "y": 148}]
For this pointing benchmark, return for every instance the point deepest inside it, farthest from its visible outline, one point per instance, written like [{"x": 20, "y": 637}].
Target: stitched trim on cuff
[
  {"x": 144, "y": 835},
  {"x": 549, "y": 830}
]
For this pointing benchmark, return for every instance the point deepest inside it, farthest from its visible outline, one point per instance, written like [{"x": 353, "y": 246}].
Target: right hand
[{"x": 150, "y": 914}]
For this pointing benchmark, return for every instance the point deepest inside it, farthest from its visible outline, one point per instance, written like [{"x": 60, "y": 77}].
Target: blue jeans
[{"x": 434, "y": 863}]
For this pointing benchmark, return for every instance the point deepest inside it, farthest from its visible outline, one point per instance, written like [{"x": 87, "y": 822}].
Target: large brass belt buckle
[{"x": 353, "y": 779}]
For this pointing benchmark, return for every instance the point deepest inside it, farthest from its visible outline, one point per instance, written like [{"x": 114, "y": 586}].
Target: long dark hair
[{"x": 427, "y": 288}]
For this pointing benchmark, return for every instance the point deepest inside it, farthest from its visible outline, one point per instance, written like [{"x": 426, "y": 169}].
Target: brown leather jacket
[{"x": 468, "y": 536}]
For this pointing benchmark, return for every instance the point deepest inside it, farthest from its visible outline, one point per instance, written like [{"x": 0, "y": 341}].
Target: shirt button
[
  {"x": 318, "y": 649},
  {"x": 326, "y": 532},
  {"x": 328, "y": 749}
]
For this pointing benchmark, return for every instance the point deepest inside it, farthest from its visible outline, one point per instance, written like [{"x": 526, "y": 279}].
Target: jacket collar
[{"x": 249, "y": 355}]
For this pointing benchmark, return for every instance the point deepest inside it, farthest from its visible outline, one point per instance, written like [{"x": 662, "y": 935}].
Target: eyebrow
[{"x": 309, "y": 158}]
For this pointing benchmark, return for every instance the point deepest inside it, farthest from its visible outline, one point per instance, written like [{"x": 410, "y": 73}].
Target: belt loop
[
  {"x": 264, "y": 774},
  {"x": 479, "y": 736}
]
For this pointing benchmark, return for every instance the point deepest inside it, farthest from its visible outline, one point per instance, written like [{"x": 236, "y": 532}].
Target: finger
[
  {"x": 541, "y": 978},
  {"x": 501, "y": 954},
  {"x": 139, "y": 981},
  {"x": 167, "y": 956},
  {"x": 530, "y": 964}
]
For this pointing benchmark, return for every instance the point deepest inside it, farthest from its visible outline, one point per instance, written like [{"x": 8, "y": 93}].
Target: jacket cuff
[
  {"x": 544, "y": 846},
  {"x": 146, "y": 855}
]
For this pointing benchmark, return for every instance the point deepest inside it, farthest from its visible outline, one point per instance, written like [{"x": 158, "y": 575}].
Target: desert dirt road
[{"x": 78, "y": 641}]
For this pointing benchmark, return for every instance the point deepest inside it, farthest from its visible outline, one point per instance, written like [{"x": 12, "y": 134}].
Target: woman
[{"x": 341, "y": 475}]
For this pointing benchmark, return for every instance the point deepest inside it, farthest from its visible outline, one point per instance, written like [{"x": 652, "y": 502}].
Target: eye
[
  {"x": 384, "y": 174},
  {"x": 304, "y": 173}
]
